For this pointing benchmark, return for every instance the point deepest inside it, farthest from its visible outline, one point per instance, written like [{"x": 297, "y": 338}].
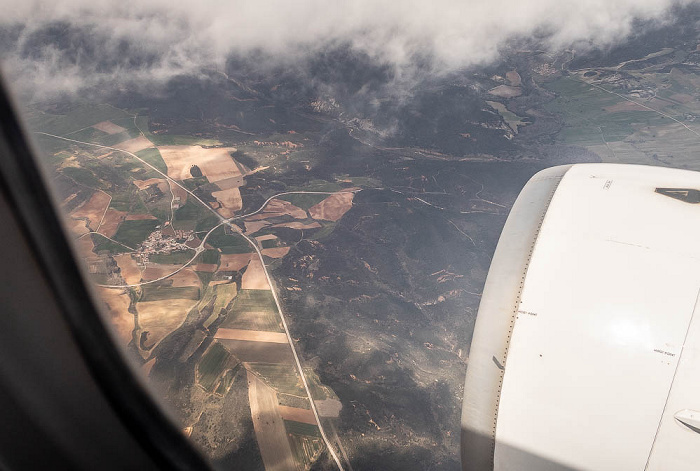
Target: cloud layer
[{"x": 66, "y": 46}]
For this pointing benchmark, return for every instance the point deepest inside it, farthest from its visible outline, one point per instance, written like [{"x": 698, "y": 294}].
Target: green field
[
  {"x": 253, "y": 310},
  {"x": 227, "y": 380},
  {"x": 300, "y": 428},
  {"x": 303, "y": 201},
  {"x": 192, "y": 215},
  {"x": 173, "y": 258},
  {"x": 324, "y": 231},
  {"x": 210, "y": 256},
  {"x": 225, "y": 293},
  {"x": 269, "y": 244},
  {"x": 132, "y": 233},
  {"x": 153, "y": 157},
  {"x": 255, "y": 300},
  {"x": 305, "y": 447},
  {"x": 102, "y": 243},
  {"x": 281, "y": 377},
  {"x": 587, "y": 122},
  {"x": 82, "y": 176},
  {"x": 212, "y": 365},
  {"x": 160, "y": 292},
  {"x": 76, "y": 119},
  {"x": 228, "y": 243}
]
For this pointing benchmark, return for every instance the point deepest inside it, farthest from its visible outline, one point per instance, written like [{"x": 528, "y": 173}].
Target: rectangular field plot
[
  {"x": 132, "y": 233},
  {"x": 213, "y": 363},
  {"x": 159, "y": 292},
  {"x": 253, "y": 310},
  {"x": 283, "y": 378},
  {"x": 255, "y": 300},
  {"x": 266, "y": 352},
  {"x": 253, "y": 320},
  {"x": 301, "y": 428}
]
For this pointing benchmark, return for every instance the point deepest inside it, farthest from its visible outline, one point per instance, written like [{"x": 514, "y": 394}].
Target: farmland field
[
  {"x": 132, "y": 233},
  {"x": 212, "y": 365}
]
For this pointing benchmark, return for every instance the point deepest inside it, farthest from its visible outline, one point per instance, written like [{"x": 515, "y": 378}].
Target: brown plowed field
[
  {"x": 84, "y": 246},
  {"x": 279, "y": 207},
  {"x": 260, "y": 352},
  {"x": 77, "y": 226},
  {"x": 205, "y": 267},
  {"x": 130, "y": 271},
  {"x": 111, "y": 222},
  {"x": 253, "y": 227},
  {"x": 116, "y": 304},
  {"x": 186, "y": 277},
  {"x": 234, "y": 261},
  {"x": 93, "y": 209},
  {"x": 143, "y": 184},
  {"x": 333, "y": 207},
  {"x": 140, "y": 217},
  {"x": 160, "y": 318},
  {"x": 305, "y": 416}
]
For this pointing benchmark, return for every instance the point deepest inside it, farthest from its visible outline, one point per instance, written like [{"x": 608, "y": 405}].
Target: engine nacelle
[{"x": 586, "y": 350}]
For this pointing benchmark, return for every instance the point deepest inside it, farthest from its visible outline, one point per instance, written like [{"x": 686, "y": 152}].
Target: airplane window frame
[{"x": 23, "y": 184}]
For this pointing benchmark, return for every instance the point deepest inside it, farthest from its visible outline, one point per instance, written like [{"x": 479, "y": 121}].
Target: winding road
[{"x": 200, "y": 248}]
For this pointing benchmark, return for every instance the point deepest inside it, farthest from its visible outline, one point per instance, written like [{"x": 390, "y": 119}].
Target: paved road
[{"x": 257, "y": 250}]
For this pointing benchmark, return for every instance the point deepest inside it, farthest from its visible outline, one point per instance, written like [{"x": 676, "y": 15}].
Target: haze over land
[{"x": 364, "y": 157}]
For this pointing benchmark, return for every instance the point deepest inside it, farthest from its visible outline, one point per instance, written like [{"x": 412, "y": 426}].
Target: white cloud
[{"x": 177, "y": 37}]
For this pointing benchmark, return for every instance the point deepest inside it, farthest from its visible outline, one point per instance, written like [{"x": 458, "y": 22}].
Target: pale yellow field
[
  {"x": 514, "y": 78},
  {"x": 116, "y": 303},
  {"x": 299, "y": 225},
  {"x": 269, "y": 426},
  {"x": 266, "y": 237},
  {"x": 146, "y": 367},
  {"x": 279, "y": 207},
  {"x": 84, "y": 246},
  {"x": 160, "y": 318},
  {"x": 230, "y": 200},
  {"x": 333, "y": 207},
  {"x": 328, "y": 407},
  {"x": 505, "y": 91},
  {"x": 255, "y": 226},
  {"x": 130, "y": 271},
  {"x": 109, "y": 127},
  {"x": 215, "y": 163},
  {"x": 77, "y": 226},
  {"x": 251, "y": 335},
  {"x": 276, "y": 252},
  {"x": 254, "y": 276},
  {"x": 134, "y": 145},
  {"x": 186, "y": 277},
  {"x": 143, "y": 184}
]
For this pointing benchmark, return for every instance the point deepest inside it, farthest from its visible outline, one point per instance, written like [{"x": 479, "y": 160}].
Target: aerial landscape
[{"x": 294, "y": 261}]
